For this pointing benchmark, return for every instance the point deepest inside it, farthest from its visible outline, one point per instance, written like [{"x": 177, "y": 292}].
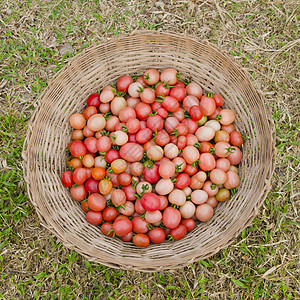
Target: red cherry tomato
[
  {"x": 171, "y": 217},
  {"x": 157, "y": 235},
  {"x": 94, "y": 217},
  {"x": 218, "y": 99},
  {"x": 106, "y": 229},
  {"x": 236, "y": 138},
  {"x": 143, "y": 135},
  {"x": 150, "y": 202},
  {"x": 170, "y": 104},
  {"x": 80, "y": 176},
  {"x": 179, "y": 232},
  {"x": 112, "y": 155},
  {"x": 93, "y": 100},
  {"x": 109, "y": 214},
  {"x": 139, "y": 225},
  {"x": 129, "y": 191},
  {"x": 67, "y": 179},
  {"x": 77, "y": 148},
  {"x": 162, "y": 90},
  {"x": 141, "y": 240},
  {"x": 162, "y": 112},
  {"x": 122, "y": 226},
  {"x": 196, "y": 113},
  {"x": 143, "y": 110},
  {"x": 123, "y": 83},
  {"x": 96, "y": 202},
  {"x": 189, "y": 224},
  {"x": 78, "y": 193},
  {"x": 151, "y": 174},
  {"x": 155, "y": 123},
  {"x": 92, "y": 186},
  {"x": 183, "y": 181},
  {"x": 178, "y": 93}
]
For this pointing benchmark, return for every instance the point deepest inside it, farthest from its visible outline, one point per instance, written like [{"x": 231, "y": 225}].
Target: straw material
[{"x": 49, "y": 134}]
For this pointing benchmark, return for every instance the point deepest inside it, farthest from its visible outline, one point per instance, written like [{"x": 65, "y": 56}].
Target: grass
[{"x": 38, "y": 38}]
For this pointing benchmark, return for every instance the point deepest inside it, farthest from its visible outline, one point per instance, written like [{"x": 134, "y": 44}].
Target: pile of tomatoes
[{"x": 152, "y": 155}]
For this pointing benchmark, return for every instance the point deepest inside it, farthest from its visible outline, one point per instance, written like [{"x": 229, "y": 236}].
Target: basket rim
[{"x": 52, "y": 81}]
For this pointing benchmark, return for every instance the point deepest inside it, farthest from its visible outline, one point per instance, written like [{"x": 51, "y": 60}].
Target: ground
[{"x": 39, "y": 37}]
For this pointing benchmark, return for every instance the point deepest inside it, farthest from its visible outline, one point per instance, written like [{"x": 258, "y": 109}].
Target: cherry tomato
[
  {"x": 189, "y": 224},
  {"x": 151, "y": 174},
  {"x": 112, "y": 155},
  {"x": 79, "y": 176},
  {"x": 77, "y": 148},
  {"x": 157, "y": 235},
  {"x": 207, "y": 105},
  {"x": 92, "y": 186},
  {"x": 218, "y": 99},
  {"x": 151, "y": 76},
  {"x": 179, "y": 232},
  {"x": 67, "y": 179},
  {"x": 178, "y": 93},
  {"x": 94, "y": 217},
  {"x": 96, "y": 202},
  {"x": 139, "y": 225},
  {"x": 196, "y": 113},
  {"x": 84, "y": 206},
  {"x": 131, "y": 152},
  {"x": 109, "y": 214},
  {"x": 183, "y": 181},
  {"x": 105, "y": 186},
  {"x": 106, "y": 229},
  {"x": 74, "y": 163},
  {"x": 78, "y": 193},
  {"x": 141, "y": 240},
  {"x": 127, "y": 237},
  {"x": 89, "y": 111},
  {"x": 236, "y": 138},
  {"x": 162, "y": 90},
  {"x": 150, "y": 202},
  {"x": 133, "y": 125},
  {"x": 143, "y": 110},
  {"x": 123, "y": 83},
  {"x": 143, "y": 135},
  {"x": 93, "y": 100},
  {"x": 194, "y": 89},
  {"x": 122, "y": 227},
  {"x": 163, "y": 113},
  {"x": 171, "y": 217},
  {"x": 155, "y": 123},
  {"x": 191, "y": 124},
  {"x": 124, "y": 179},
  {"x": 170, "y": 104}
]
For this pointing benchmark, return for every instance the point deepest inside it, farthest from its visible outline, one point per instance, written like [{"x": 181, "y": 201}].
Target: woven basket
[{"x": 49, "y": 134}]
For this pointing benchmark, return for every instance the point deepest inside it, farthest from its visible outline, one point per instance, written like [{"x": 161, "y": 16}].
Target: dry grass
[{"x": 38, "y": 38}]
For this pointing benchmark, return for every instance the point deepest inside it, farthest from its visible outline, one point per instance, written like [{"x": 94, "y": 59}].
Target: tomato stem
[
  {"x": 195, "y": 163},
  {"x": 178, "y": 167},
  {"x": 213, "y": 186},
  {"x": 170, "y": 238},
  {"x": 210, "y": 95},
  {"x": 212, "y": 150},
  {"x": 146, "y": 77},
  {"x": 124, "y": 128},
  {"x": 140, "y": 90},
  {"x": 175, "y": 132},
  {"x": 197, "y": 145},
  {"x": 219, "y": 117},
  {"x": 114, "y": 234}
]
